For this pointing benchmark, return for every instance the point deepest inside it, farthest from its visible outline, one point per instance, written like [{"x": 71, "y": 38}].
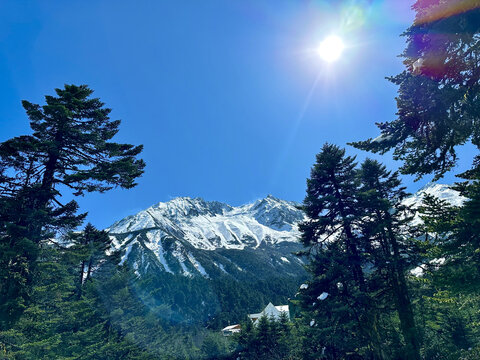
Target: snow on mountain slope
[
  {"x": 442, "y": 191},
  {"x": 213, "y": 225},
  {"x": 196, "y": 237}
]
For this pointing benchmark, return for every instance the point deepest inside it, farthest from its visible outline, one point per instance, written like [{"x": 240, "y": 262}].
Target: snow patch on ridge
[
  {"x": 155, "y": 244},
  {"x": 442, "y": 191},
  {"x": 197, "y": 265},
  {"x": 125, "y": 256},
  {"x": 213, "y": 225},
  {"x": 221, "y": 267}
]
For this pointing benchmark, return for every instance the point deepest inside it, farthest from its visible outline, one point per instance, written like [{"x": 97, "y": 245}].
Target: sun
[{"x": 331, "y": 48}]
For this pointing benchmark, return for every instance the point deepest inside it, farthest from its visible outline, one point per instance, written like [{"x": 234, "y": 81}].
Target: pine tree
[
  {"x": 386, "y": 227},
  {"x": 91, "y": 246},
  {"x": 59, "y": 324},
  {"x": 438, "y": 96},
  {"x": 330, "y": 204},
  {"x": 345, "y": 319},
  {"x": 438, "y": 217},
  {"x": 285, "y": 344},
  {"x": 264, "y": 338},
  {"x": 69, "y": 149},
  {"x": 246, "y": 340},
  {"x": 438, "y": 112},
  {"x": 452, "y": 234}
]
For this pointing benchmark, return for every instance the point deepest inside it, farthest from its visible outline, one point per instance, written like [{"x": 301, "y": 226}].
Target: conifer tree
[
  {"x": 337, "y": 297},
  {"x": 264, "y": 338},
  {"x": 69, "y": 150},
  {"x": 91, "y": 246},
  {"x": 461, "y": 246},
  {"x": 438, "y": 217},
  {"x": 438, "y": 111},
  {"x": 57, "y": 324},
  {"x": 439, "y": 92},
  {"x": 449, "y": 278},
  {"x": 386, "y": 227},
  {"x": 453, "y": 241}
]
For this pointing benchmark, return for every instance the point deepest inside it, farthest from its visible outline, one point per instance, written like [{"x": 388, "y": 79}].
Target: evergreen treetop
[
  {"x": 69, "y": 150},
  {"x": 439, "y": 92}
]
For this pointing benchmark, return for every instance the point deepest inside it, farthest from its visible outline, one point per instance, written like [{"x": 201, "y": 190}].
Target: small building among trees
[
  {"x": 231, "y": 329},
  {"x": 271, "y": 311}
]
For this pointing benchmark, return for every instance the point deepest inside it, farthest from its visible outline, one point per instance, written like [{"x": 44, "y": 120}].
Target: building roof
[
  {"x": 231, "y": 327},
  {"x": 270, "y": 311}
]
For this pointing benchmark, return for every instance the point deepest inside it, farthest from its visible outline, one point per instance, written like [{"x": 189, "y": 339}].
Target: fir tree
[
  {"x": 438, "y": 111},
  {"x": 438, "y": 107},
  {"x": 345, "y": 319},
  {"x": 59, "y": 324},
  {"x": 91, "y": 245},
  {"x": 386, "y": 226},
  {"x": 69, "y": 149}
]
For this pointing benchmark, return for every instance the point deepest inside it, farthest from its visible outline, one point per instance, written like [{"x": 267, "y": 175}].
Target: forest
[{"x": 380, "y": 285}]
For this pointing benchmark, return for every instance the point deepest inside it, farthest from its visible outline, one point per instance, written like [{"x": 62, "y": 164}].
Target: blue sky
[{"x": 228, "y": 97}]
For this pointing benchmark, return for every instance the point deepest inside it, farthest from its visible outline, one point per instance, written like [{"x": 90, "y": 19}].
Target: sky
[{"x": 229, "y": 97}]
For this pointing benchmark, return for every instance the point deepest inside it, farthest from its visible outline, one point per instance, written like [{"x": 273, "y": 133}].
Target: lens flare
[
  {"x": 331, "y": 48},
  {"x": 444, "y": 10},
  {"x": 352, "y": 18}
]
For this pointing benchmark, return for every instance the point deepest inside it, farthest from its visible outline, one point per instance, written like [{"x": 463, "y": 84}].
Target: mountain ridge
[
  {"x": 195, "y": 237},
  {"x": 270, "y": 212}
]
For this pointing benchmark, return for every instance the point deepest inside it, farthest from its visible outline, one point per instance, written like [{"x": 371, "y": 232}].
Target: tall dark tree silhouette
[
  {"x": 337, "y": 298},
  {"x": 386, "y": 224},
  {"x": 69, "y": 150},
  {"x": 439, "y": 111}
]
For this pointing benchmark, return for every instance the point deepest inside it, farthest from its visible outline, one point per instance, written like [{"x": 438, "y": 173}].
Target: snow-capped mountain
[
  {"x": 215, "y": 254},
  {"x": 211, "y": 225},
  {"x": 209, "y": 238},
  {"x": 441, "y": 191},
  {"x": 194, "y": 237}
]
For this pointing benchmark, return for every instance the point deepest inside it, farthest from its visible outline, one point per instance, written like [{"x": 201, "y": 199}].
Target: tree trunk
[
  {"x": 402, "y": 300},
  {"x": 371, "y": 323},
  {"x": 89, "y": 269},
  {"x": 80, "y": 284}
]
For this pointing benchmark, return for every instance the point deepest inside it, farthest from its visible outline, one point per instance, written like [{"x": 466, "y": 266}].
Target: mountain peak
[
  {"x": 180, "y": 236},
  {"x": 178, "y": 232},
  {"x": 271, "y": 197},
  {"x": 213, "y": 224}
]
